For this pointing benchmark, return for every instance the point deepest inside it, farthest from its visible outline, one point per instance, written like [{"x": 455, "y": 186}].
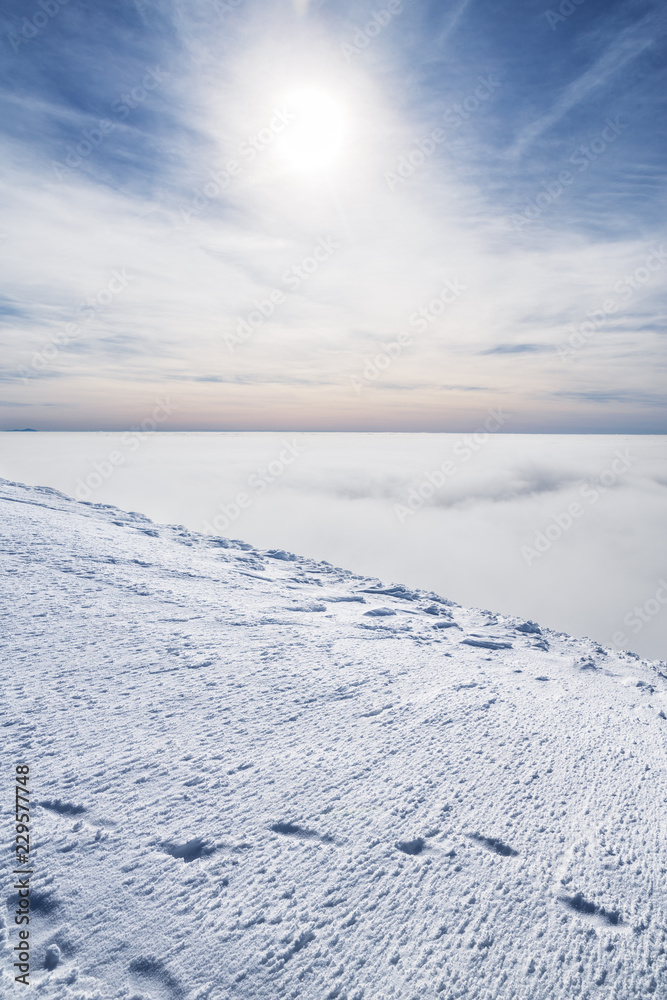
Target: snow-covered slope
[{"x": 259, "y": 776}]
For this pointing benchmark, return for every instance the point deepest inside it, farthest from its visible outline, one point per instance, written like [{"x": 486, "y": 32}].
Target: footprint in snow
[
  {"x": 495, "y": 845},
  {"x": 375, "y": 711},
  {"x": 52, "y": 957},
  {"x": 42, "y": 903},
  {"x": 292, "y": 830},
  {"x": 191, "y": 850},
  {"x": 151, "y": 969},
  {"x": 412, "y": 847},
  {"x": 62, "y": 808},
  {"x": 587, "y": 909}
]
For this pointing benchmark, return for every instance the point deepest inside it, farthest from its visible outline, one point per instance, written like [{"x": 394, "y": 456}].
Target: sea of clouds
[{"x": 567, "y": 530}]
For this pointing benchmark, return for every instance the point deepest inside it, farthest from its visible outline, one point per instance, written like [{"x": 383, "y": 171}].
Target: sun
[{"x": 313, "y": 137}]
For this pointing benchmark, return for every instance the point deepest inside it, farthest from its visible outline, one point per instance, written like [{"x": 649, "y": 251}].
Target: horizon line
[{"x": 319, "y": 430}]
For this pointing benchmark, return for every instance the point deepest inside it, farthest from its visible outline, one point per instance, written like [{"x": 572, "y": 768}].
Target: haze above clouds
[
  {"x": 381, "y": 160},
  {"x": 347, "y": 498}
]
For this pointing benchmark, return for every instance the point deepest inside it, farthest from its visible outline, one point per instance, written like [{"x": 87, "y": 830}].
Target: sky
[{"x": 264, "y": 214}]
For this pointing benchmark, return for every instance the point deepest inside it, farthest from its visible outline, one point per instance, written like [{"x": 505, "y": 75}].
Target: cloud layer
[{"x": 566, "y": 530}]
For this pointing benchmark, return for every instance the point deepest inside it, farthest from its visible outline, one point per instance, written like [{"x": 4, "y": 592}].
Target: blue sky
[{"x": 388, "y": 216}]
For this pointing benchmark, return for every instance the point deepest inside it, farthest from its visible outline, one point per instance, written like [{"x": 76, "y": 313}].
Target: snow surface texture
[{"x": 259, "y": 776}]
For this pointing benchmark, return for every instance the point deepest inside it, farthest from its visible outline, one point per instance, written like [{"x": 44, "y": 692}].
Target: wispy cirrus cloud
[
  {"x": 154, "y": 141},
  {"x": 621, "y": 48}
]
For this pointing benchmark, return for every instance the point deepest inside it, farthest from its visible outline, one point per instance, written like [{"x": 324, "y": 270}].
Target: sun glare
[{"x": 313, "y": 137}]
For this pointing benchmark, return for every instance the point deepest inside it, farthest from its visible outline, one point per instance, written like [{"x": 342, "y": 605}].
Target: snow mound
[{"x": 260, "y": 776}]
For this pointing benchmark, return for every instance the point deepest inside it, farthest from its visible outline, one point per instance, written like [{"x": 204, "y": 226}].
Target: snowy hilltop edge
[{"x": 253, "y": 557}]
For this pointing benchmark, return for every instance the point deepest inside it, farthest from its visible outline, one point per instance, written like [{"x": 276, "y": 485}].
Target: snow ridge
[{"x": 261, "y": 776}]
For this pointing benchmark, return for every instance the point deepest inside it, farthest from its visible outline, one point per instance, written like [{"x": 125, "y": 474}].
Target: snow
[
  {"x": 253, "y": 782},
  {"x": 603, "y": 577}
]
